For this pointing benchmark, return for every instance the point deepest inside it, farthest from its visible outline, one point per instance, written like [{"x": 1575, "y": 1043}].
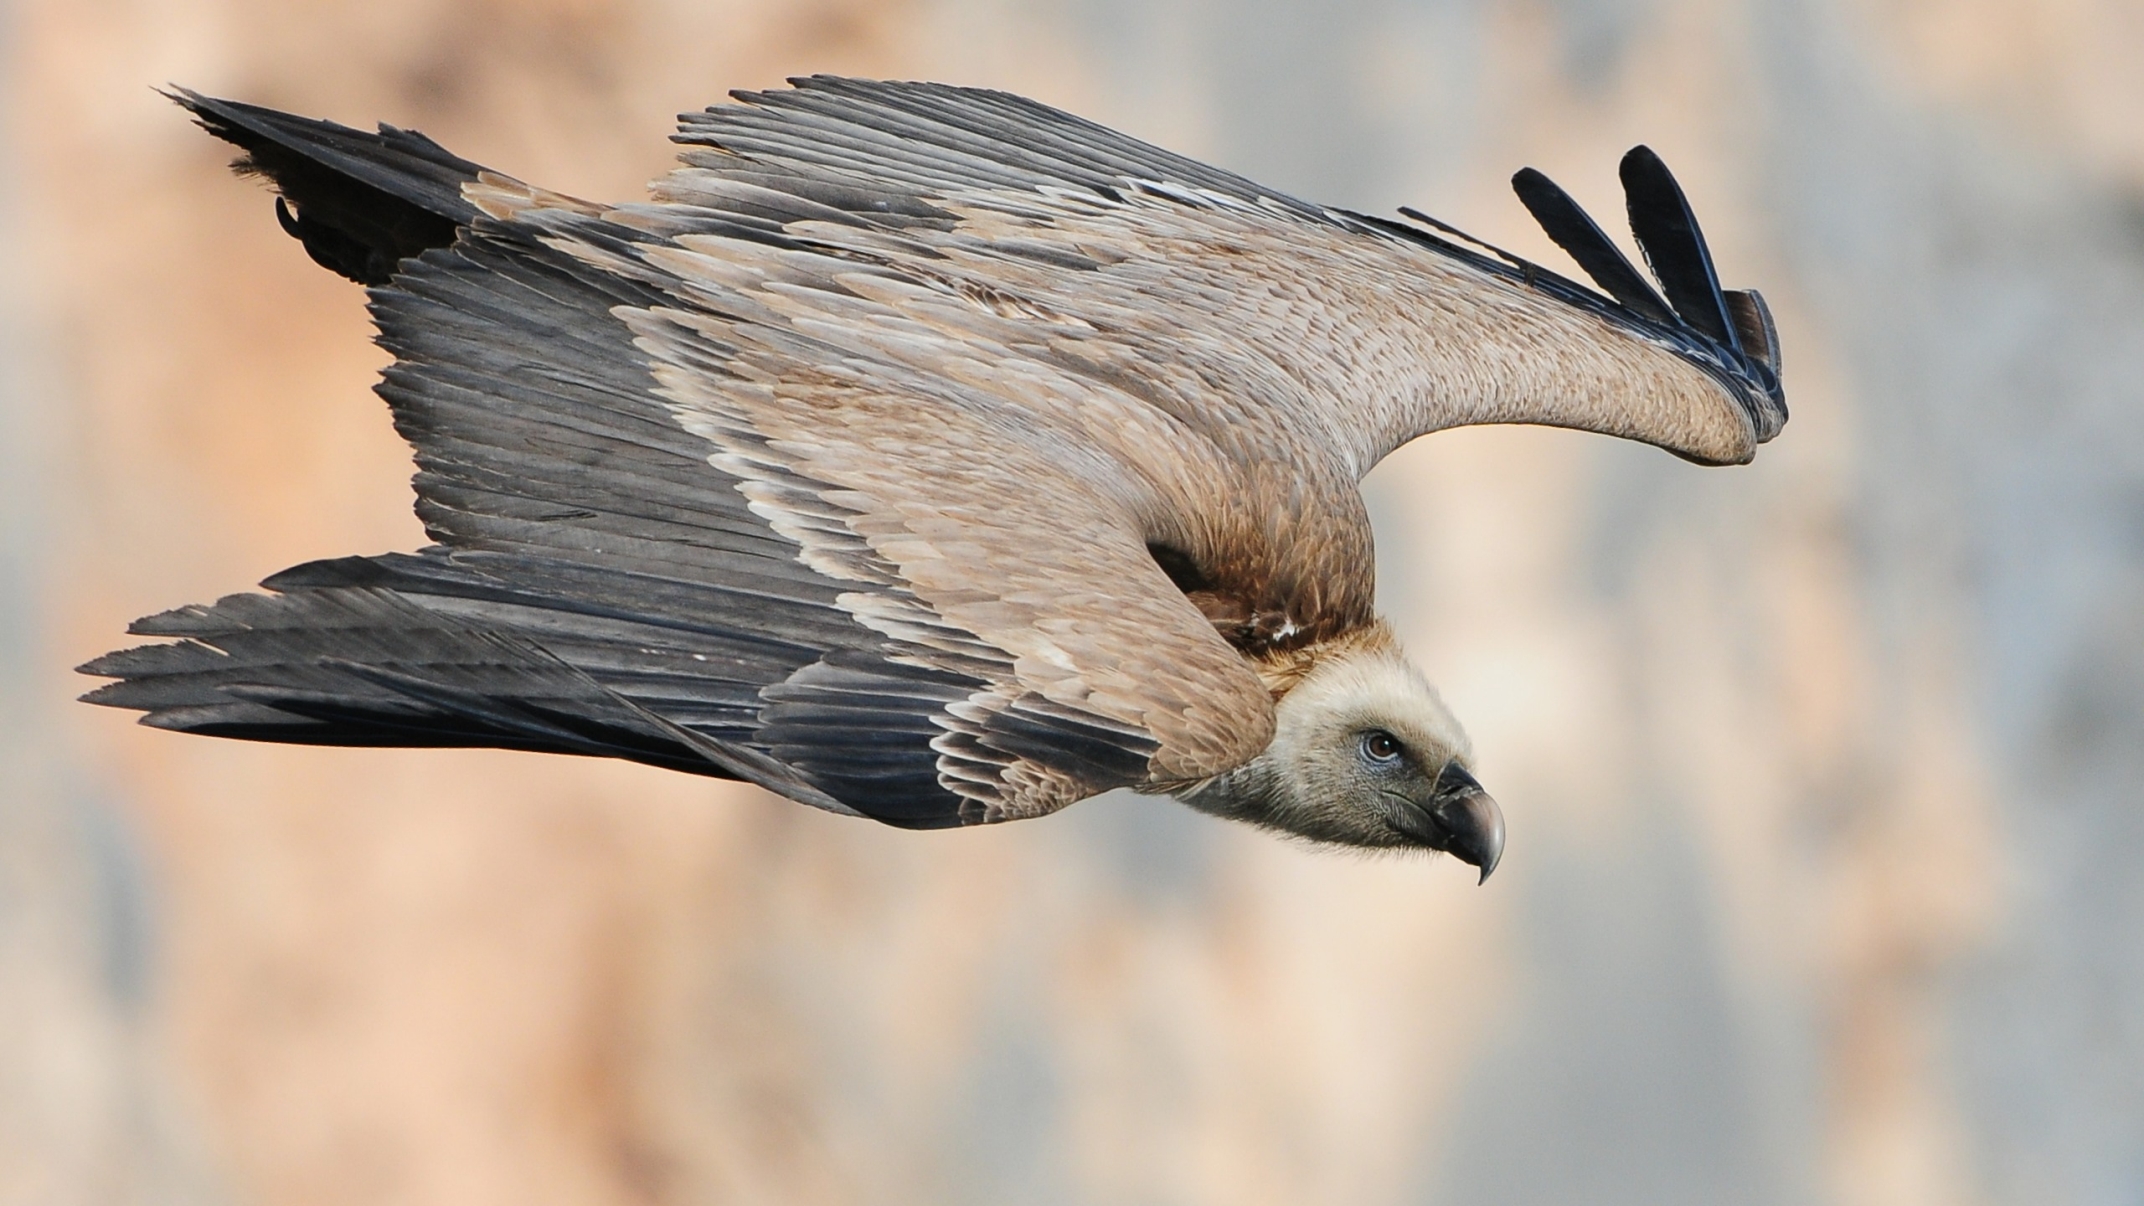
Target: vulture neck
[{"x": 1283, "y": 669}]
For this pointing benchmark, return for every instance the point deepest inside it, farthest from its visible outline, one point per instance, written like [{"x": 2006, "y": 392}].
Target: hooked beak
[{"x": 1462, "y": 820}]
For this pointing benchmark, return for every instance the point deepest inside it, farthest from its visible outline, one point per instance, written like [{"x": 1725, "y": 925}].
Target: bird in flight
[{"x": 927, "y": 454}]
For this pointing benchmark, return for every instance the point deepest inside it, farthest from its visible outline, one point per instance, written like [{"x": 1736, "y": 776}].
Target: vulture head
[{"x": 1365, "y": 754}]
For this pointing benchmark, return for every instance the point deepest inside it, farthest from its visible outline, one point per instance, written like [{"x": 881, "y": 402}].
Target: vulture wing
[
  {"x": 1327, "y": 331},
  {"x": 706, "y": 498},
  {"x": 850, "y": 464}
]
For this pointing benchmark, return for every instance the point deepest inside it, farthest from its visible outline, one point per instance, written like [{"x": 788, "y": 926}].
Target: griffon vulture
[{"x": 928, "y": 454}]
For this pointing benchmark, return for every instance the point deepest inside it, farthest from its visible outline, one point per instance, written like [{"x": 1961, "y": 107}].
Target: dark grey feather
[
  {"x": 364, "y": 202},
  {"x": 1575, "y": 231},
  {"x": 1667, "y": 232}
]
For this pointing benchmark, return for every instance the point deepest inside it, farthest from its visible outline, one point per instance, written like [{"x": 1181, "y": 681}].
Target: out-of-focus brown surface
[{"x": 1818, "y": 772}]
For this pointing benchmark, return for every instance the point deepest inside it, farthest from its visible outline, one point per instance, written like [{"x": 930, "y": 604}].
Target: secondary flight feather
[{"x": 928, "y": 454}]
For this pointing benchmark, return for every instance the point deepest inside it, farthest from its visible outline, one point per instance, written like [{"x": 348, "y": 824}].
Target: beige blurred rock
[{"x": 427, "y": 977}]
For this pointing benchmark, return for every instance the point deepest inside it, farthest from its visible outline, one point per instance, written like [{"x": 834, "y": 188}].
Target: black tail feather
[
  {"x": 1667, "y": 232},
  {"x": 361, "y": 203},
  {"x": 1583, "y": 240}
]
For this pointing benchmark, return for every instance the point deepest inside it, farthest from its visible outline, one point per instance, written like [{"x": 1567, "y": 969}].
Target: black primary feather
[
  {"x": 1753, "y": 321},
  {"x": 1575, "y": 231},
  {"x": 361, "y": 203},
  {"x": 1667, "y": 232}
]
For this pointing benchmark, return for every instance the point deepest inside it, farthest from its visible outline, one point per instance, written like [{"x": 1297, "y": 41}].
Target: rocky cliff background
[{"x": 1825, "y": 776}]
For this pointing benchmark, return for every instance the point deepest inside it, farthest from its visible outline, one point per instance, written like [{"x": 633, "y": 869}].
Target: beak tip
[
  {"x": 1480, "y": 833},
  {"x": 1493, "y": 855}
]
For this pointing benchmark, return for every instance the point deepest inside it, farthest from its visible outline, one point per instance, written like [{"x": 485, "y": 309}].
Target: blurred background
[{"x": 1823, "y": 775}]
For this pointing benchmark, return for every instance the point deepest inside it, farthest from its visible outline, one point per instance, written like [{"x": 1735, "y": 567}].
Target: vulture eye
[{"x": 1380, "y": 747}]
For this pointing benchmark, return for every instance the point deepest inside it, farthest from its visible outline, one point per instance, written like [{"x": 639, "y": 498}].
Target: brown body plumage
[{"x": 929, "y": 454}]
